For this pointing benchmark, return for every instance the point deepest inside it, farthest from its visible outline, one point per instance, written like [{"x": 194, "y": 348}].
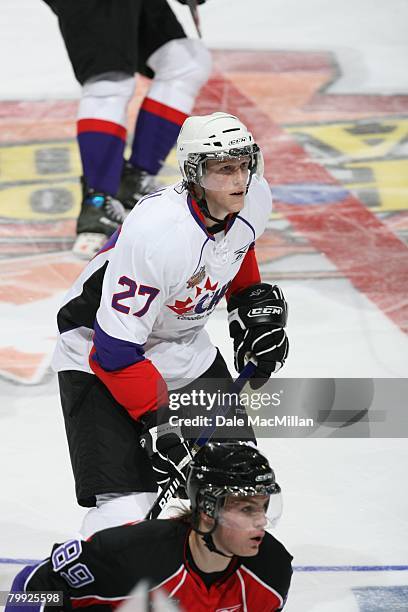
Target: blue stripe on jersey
[
  {"x": 196, "y": 217},
  {"x": 18, "y": 586},
  {"x": 111, "y": 242},
  {"x": 155, "y": 194},
  {"x": 113, "y": 354},
  {"x": 247, "y": 223},
  {"x": 230, "y": 222},
  {"x": 201, "y": 254}
]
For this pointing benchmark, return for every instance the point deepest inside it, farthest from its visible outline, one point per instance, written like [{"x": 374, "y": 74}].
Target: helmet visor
[
  {"x": 228, "y": 171},
  {"x": 251, "y": 513}
]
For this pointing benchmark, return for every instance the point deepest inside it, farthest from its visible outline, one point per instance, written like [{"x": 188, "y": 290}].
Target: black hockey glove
[
  {"x": 257, "y": 316},
  {"x": 167, "y": 449}
]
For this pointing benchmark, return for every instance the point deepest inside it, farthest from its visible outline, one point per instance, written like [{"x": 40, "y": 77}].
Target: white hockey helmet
[{"x": 219, "y": 137}]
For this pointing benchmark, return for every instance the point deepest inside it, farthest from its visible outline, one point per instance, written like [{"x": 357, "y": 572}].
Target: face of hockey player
[
  {"x": 241, "y": 525},
  {"x": 225, "y": 184}
]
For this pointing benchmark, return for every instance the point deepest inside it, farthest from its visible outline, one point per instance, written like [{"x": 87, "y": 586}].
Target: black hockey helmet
[{"x": 221, "y": 469}]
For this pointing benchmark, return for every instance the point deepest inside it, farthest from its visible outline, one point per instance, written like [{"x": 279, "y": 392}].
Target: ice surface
[{"x": 346, "y": 503}]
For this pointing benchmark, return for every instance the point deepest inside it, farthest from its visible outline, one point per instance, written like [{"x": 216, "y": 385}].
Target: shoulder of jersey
[
  {"x": 261, "y": 191},
  {"x": 160, "y": 208},
  {"x": 258, "y": 201},
  {"x": 154, "y": 531},
  {"x": 162, "y": 212},
  {"x": 272, "y": 559},
  {"x": 152, "y": 549}
]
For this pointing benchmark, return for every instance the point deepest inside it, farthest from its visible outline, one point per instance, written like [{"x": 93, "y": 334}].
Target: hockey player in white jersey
[{"x": 132, "y": 326}]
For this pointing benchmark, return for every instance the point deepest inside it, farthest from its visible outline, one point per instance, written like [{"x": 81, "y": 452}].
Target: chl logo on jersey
[{"x": 205, "y": 300}]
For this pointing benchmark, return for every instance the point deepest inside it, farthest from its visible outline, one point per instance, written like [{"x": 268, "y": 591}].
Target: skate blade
[{"x": 87, "y": 245}]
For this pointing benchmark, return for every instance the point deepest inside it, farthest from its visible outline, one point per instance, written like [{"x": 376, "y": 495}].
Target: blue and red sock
[
  {"x": 156, "y": 131},
  {"x": 101, "y": 144}
]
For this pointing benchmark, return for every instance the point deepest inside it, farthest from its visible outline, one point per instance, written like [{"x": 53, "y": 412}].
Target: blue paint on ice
[{"x": 309, "y": 193}]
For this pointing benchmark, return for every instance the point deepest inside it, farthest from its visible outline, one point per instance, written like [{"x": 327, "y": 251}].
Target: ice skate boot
[
  {"x": 100, "y": 216},
  {"x": 135, "y": 184}
]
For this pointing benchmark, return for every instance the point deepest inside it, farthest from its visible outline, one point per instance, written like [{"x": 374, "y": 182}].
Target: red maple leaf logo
[
  {"x": 209, "y": 286},
  {"x": 180, "y": 307}
]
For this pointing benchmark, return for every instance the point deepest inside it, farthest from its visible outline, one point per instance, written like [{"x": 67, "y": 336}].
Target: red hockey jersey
[{"x": 100, "y": 573}]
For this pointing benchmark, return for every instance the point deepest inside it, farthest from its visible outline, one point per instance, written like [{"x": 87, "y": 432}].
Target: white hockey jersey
[{"x": 150, "y": 290}]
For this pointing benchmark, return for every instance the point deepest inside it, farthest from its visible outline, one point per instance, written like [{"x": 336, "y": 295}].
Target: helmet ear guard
[{"x": 210, "y": 505}]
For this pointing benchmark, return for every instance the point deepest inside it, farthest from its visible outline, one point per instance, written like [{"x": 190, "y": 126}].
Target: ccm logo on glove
[{"x": 256, "y": 312}]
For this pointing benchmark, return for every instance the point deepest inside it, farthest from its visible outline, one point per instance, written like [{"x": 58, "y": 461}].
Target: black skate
[
  {"x": 135, "y": 184},
  {"x": 100, "y": 216}
]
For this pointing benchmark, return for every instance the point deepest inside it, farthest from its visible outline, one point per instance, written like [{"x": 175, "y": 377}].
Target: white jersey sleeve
[
  {"x": 259, "y": 205},
  {"x": 137, "y": 283}
]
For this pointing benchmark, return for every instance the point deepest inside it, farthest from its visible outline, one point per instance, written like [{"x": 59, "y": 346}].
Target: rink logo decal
[
  {"x": 30, "y": 291},
  {"x": 40, "y": 192},
  {"x": 309, "y": 193},
  {"x": 369, "y": 157},
  {"x": 330, "y": 229},
  {"x": 367, "y": 154}
]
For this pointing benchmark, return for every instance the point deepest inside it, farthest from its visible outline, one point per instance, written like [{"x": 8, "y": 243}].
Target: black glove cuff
[
  {"x": 158, "y": 435},
  {"x": 155, "y": 418}
]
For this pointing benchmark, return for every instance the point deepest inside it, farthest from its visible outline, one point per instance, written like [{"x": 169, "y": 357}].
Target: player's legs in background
[
  {"x": 179, "y": 67},
  {"x": 101, "y": 129},
  {"x": 114, "y": 509},
  {"x": 101, "y": 40},
  {"x": 101, "y": 135}
]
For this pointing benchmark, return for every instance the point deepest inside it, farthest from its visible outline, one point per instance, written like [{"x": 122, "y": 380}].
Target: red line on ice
[{"x": 373, "y": 258}]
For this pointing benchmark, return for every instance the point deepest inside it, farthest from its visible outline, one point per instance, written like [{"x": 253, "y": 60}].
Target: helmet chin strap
[
  {"x": 202, "y": 203},
  {"x": 209, "y": 542},
  {"x": 207, "y": 537}
]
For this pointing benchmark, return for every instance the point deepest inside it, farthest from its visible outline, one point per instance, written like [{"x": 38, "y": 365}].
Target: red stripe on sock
[
  {"x": 99, "y": 125},
  {"x": 163, "y": 111}
]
